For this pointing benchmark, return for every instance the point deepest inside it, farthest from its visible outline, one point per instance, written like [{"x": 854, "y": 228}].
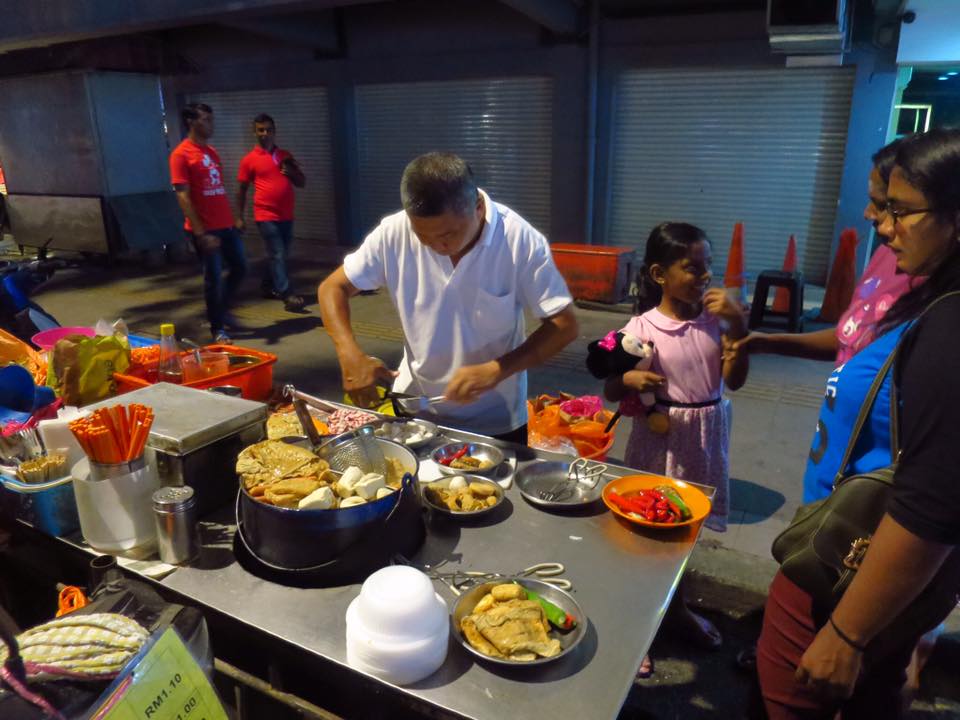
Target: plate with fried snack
[
  {"x": 518, "y": 621},
  {"x": 463, "y": 495}
]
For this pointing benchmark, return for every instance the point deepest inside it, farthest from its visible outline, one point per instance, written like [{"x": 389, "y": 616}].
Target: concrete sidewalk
[{"x": 774, "y": 413}]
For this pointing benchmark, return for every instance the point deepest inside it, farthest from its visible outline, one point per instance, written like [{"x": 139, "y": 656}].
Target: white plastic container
[
  {"x": 398, "y": 627},
  {"x": 116, "y": 514},
  {"x": 56, "y": 434}
]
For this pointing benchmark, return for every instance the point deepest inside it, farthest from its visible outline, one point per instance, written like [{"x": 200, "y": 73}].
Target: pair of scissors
[{"x": 460, "y": 580}]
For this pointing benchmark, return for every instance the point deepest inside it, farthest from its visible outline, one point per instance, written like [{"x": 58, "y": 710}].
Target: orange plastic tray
[
  {"x": 698, "y": 503},
  {"x": 255, "y": 380}
]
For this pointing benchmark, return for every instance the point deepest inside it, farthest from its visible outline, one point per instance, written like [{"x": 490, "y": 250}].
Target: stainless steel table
[{"x": 623, "y": 577}]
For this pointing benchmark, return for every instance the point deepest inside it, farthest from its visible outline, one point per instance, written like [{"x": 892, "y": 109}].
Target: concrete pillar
[{"x": 873, "y": 95}]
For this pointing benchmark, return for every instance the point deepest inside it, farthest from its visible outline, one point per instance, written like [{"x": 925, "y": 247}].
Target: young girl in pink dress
[{"x": 688, "y": 325}]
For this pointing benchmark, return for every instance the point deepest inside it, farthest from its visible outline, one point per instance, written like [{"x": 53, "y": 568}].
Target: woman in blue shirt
[{"x": 810, "y": 659}]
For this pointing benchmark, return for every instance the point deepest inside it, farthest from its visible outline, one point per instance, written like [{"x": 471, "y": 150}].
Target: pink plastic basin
[{"x": 46, "y": 339}]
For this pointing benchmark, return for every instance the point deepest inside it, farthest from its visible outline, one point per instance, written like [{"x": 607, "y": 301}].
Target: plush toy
[{"x": 618, "y": 353}]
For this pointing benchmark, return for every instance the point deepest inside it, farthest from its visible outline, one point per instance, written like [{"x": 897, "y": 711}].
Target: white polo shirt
[{"x": 463, "y": 315}]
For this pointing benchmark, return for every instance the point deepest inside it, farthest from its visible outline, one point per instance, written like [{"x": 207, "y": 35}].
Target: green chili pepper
[
  {"x": 556, "y": 615},
  {"x": 674, "y": 497}
]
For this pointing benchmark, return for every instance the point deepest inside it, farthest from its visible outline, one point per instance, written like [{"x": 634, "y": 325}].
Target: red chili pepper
[
  {"x": 644, "y": 500},
  {"x": 455, "y": 456},
  {"x": 627, "y": 504},
  {"x": 674, "y": 509}
]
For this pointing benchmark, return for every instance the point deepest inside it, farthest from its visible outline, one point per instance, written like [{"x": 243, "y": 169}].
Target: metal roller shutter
[
  {"x": 713, "y": 147},
  {"x": 303, "y": 128},
  {"x": 502, "y": 127}
]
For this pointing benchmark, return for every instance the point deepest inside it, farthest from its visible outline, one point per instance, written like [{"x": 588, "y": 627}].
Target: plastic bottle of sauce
[{"x": 169, "y": 368}]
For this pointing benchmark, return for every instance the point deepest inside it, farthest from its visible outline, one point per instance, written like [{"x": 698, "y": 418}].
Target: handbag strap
[
  {"x": 894, "y": 399},
  {"x": 864, "y": 413}
]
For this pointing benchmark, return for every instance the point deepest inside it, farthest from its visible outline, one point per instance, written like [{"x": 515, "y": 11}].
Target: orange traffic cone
[
  {"x": 734, "y": 276},
  {"x": 781, "y": 302},
  {"x": 842, "y": 280}
]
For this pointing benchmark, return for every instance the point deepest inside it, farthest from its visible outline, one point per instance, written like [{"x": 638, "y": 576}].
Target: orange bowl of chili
[{"x": 652, "y": 501}]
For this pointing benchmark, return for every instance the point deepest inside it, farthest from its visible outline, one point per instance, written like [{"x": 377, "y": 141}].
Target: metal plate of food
[
  {"x": 490, "y": 636},
  {"x": 558, "y": 485},
  {"x": 474, "y": 496},
  {"x": 460, "y": 457},
  {"x": 414, "y": 433}
]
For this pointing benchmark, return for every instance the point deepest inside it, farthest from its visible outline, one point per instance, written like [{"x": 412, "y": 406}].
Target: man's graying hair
[{"x": 436, "y": 183}]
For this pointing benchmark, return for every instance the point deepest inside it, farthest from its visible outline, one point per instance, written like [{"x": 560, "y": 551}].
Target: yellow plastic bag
[{"x": 81, "y": 369}]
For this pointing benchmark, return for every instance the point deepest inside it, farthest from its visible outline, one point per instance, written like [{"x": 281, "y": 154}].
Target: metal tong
[
  {"x": 581, "y": 471},
  {"x": 300, "y": 401},
  {"x": 461, "y": 580}
]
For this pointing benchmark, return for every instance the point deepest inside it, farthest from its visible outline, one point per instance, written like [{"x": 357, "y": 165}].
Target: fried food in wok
[
  {"x": 271, "y": 461},
  {"x": 284, "y": 475}
]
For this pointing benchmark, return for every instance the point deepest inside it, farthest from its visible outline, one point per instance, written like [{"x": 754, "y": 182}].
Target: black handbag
[{"x": 825, "y": 543}]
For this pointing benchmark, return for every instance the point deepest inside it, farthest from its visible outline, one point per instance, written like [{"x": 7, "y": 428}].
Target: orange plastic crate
[
  {"x": 255, "y": 380},
  {"x": 601, "y": 273}
]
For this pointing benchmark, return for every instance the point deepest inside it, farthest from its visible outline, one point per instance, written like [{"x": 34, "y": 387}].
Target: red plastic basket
[{"x": 255, "y": 380}]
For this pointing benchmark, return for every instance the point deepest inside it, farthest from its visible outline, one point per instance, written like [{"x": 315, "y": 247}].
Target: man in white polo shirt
[{"x": 460, "y": 269}]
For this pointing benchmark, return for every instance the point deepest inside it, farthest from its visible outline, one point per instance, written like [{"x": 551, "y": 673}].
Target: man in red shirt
[
  {"x": 274, "y": 174},
  {"x": 197, "y": 178}
]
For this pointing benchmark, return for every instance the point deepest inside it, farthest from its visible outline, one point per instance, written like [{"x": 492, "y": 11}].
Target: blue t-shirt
[{"x": 847, "y": 387}]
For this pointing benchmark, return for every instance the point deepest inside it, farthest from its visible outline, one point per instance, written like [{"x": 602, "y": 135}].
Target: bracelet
[{"x": 846, "y": 638}]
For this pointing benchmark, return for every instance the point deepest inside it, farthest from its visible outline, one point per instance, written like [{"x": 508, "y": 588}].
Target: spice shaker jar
[{"x": 175, "y": 512}]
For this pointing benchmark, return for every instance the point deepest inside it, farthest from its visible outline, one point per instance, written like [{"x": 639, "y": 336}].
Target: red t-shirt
[
  {"x": 199, "y": 167},
  {"x": 272, "y": 190}
]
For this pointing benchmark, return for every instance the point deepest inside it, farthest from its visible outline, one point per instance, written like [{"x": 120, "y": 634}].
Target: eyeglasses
[{"x": 897, "y": 215}]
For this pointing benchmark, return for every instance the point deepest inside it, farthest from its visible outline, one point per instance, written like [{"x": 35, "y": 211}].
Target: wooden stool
[{"x": 793, "y": 282}]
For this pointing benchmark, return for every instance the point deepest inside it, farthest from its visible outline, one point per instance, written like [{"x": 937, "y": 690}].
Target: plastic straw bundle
[{"x": 114, "y": 435}]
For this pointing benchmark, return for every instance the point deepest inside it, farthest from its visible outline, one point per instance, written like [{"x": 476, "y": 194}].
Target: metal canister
[{"x": 175, "y": 512}]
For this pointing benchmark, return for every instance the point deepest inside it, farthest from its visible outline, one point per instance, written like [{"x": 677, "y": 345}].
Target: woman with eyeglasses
[
  {"x": 878, "y": 289},
  {"x": 814, "y": 662}
]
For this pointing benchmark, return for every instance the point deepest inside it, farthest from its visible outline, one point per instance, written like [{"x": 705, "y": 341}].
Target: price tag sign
[{"x": 164, "y": 684}]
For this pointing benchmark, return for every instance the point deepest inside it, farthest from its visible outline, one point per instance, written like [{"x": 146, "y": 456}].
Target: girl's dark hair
[
  {"x": 668, "y": 242},
  {"x": 930, "y": 162},
  {"x": 885, "y": 157}
]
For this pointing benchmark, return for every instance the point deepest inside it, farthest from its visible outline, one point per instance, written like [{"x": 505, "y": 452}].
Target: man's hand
[
  {"x": 361, "y": 376},
  {"x": 290, "y": 169},
  {"x": 830, "y": 667},
  {"x": 208, "y": 243},
  {"x": 643, "y": 380},
  {"x": 470, "y": 381},
  {"x": 240, "y": 224}
]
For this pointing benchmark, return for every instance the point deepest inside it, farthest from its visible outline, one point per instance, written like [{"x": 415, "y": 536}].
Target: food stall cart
[{"x": 622, "y": 576}]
